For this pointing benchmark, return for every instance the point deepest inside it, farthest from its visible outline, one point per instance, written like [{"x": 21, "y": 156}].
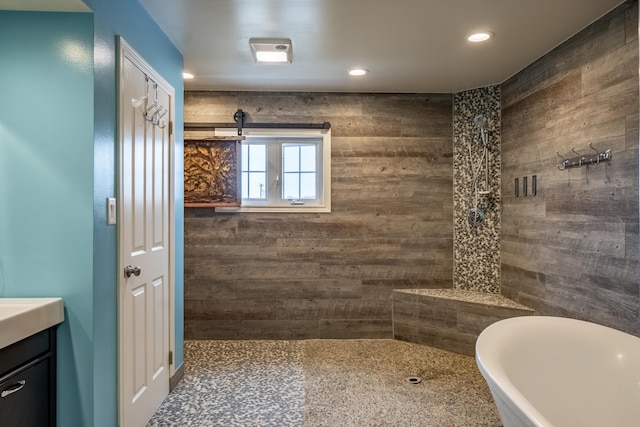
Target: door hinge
[
  {"x": 170, "y": 128},
  {"x": 171, "y": 358}
]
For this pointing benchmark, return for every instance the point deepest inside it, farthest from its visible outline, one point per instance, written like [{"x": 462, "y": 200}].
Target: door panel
[{"x": 144, "y": 243}]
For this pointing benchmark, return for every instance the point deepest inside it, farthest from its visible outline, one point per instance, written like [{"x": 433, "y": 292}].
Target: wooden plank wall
[
  {"x": 296, "y": 276},
  {"x": 572, "y": 250}
]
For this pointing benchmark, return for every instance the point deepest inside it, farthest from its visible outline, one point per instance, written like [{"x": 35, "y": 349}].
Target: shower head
[{"x": 481, "y": 121}]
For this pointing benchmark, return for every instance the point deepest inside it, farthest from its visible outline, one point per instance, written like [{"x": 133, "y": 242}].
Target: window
[
  {"x": 254, "y": 171},
  {"x": 284, "y": 170}
]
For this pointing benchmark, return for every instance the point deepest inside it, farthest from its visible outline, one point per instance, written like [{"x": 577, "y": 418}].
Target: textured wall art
[
  {"x": 476, "y": 198},
  {"x": 211, "y": 173}
]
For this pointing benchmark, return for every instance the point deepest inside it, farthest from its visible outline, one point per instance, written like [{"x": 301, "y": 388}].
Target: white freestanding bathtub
[{"x": 553, "y": 371}]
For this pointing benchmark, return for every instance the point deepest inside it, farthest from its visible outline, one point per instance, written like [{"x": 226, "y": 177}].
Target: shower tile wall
[
  {"x": 283, "y": 276},
  {"x": 573, "y": 249},
  {"x": 476, "y": 247}
]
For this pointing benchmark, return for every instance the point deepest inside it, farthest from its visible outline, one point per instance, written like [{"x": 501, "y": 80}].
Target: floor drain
[{"x": 414, "y": 380}]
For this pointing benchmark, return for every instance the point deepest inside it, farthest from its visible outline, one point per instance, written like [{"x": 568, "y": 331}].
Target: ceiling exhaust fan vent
[{"x": 271, "y": 51}]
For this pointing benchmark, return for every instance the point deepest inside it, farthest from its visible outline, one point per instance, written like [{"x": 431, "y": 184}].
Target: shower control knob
[{"x": 128, "y": 271}]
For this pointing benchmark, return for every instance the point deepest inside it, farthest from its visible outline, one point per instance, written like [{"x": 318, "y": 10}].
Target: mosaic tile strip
[{"x": 476, "y": 248}]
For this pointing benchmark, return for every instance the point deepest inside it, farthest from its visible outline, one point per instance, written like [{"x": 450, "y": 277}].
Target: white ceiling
[{"x": 407, "y": 45}]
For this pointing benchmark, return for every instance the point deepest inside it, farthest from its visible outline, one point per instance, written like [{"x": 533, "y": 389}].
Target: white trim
[{"x": 326, "y": 169}]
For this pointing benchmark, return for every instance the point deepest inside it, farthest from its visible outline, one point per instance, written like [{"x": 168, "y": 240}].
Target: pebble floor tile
[{"x": 331, "y": 383}]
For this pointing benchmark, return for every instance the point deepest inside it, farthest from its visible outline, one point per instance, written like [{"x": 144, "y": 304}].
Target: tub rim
[{"x": 492, "y": 340}]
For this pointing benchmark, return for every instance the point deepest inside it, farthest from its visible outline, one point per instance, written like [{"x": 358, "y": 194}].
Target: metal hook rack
[
  {"x": 580, "y": 160},
  {"x": 153, "y": 112}
]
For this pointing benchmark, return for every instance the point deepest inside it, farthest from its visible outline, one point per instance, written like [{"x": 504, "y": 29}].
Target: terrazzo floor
[{"x": 336, "y": 383}]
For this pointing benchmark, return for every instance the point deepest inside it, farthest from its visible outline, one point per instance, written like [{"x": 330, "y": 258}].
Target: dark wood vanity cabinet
[{"x": 28, "y": 381}]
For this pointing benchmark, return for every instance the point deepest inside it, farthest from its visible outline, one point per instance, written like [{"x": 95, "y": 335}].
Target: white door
[{"x": 146, "y": 105}]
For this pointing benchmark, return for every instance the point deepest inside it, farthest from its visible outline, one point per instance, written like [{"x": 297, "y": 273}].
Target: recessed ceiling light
[
  {"x": 480, "y": 37},
  {"x": 357, "y": 72},
  {"x": 271, "y": 50},
  {"x": 187, "y": 76}
]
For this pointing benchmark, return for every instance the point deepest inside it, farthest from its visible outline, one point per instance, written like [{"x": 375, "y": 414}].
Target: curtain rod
[
  {"x": 214, "y": 126},
  {"x": 240, "y": 117}
]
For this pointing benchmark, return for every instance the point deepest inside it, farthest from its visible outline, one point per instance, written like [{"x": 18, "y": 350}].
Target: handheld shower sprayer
[
  {"x": 481, "y": 121},
  {"x": 479, "y": 170}
]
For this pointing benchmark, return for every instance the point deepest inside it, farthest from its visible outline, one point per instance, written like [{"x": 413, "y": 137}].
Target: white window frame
[{"x": 324, "y": 171}]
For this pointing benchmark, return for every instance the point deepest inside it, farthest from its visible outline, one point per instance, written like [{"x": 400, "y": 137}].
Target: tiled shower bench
[{"x": 450, "y": 319}]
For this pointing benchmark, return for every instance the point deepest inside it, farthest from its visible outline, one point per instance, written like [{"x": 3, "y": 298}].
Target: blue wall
[
  {"x": 58, "y": 130},
  {"x": 46, "y": 183}
]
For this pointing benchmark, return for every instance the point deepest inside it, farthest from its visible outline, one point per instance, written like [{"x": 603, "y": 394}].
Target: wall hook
[
  {"x": 153, "y": 105},
  {"x": 597, "y": 158},
  {"x": 563, "y": 164},
  {"x": 579, "y": 159}
]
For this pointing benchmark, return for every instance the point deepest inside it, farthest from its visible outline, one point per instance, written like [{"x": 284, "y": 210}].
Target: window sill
[{"x": 279, "y": 209}]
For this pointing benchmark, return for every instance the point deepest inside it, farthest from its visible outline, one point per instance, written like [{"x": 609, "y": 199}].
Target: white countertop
[{"x": 23, "y": 317}]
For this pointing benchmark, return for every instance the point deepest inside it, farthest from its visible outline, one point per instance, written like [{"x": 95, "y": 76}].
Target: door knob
[{"x": 128, "y": 271}]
